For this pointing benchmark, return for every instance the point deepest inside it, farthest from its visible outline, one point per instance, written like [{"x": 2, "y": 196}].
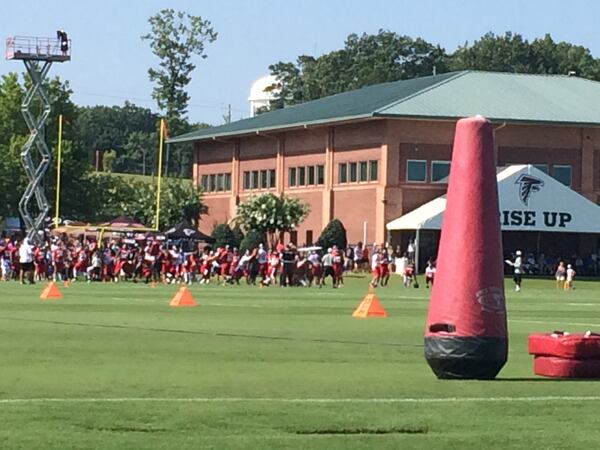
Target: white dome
[{"x": 257, "y": 91}]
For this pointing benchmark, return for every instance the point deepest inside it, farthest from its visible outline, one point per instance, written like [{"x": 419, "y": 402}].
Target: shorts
[
  {"x": 328, "y": 271},
  {"x": 27, "y": 267},
  {"x": 517, "y": 278}
]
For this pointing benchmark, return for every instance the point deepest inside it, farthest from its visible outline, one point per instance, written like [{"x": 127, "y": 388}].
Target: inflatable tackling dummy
[{"x": 466, "y": 336}]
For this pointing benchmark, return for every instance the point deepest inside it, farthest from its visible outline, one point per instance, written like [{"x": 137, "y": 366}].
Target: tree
[
  {"x": 137, "y": 148},
  {"x": 115, "y": 195},
  {"x": 252, "y": 239},
  {"x": 223, "y": 235},
  {"x": 271, "y": 215},
  {"x": 364, "y": 60},
  {"x": 333, "y": 234},
  {"x": 175, "y": 38},
  {"x": 239, "y": 235},
  {"x": 512, "y": 53}
]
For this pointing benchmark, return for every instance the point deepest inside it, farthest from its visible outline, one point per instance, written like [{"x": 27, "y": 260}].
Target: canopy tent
[
  {"x": 122, "y": 222},
  {"x": 185, "y": 230},
  {"x": 530, "y": 200}
]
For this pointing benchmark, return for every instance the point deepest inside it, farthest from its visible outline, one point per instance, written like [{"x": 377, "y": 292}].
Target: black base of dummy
[{"x": 475, "y": 358}]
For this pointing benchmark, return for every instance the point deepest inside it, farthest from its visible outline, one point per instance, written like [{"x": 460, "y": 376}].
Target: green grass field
[{"x": 112, "y": 366}]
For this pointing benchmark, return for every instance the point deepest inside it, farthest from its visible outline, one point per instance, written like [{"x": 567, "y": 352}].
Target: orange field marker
[
  {"x": 183, "y": 297},
  {"x": 369, "y": 306},
  {"x": 51, "y": 292}
]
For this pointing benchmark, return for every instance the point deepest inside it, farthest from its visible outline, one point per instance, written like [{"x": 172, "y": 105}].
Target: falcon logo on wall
[{"x": 527, "y": 185}]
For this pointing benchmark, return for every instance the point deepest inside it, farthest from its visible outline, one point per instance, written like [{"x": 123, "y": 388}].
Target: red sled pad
[
  {"x": 574, "y": 346},
  {"x": 548, "y": 366}
]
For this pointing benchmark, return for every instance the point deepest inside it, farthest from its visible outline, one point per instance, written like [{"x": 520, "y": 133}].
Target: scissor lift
[{"x": 37, "y": 54}]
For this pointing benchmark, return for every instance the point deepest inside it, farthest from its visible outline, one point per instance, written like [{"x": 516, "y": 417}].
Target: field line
[
  {"x": 562, "y": 322},
  {"x": 539, "y": 399}
]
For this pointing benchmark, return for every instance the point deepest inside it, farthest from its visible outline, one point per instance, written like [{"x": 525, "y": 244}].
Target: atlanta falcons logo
[{"x": 527, "y": 185}]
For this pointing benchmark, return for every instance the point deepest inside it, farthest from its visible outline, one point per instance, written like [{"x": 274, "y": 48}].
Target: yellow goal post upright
[{"x": 161, "y": 140}]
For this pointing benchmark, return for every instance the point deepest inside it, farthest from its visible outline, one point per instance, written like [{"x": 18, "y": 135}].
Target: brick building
[{"x": 369, "y": 156}]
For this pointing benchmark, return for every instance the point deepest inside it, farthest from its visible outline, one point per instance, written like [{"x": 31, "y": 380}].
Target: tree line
[{"x": 387, "y": 56}]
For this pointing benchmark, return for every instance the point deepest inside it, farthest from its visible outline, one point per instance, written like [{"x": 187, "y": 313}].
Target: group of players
[{"x": 155, "y": 261}]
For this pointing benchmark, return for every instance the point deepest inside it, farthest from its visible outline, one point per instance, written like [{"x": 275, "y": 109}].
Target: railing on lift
[{"x": 38, "y": 48}]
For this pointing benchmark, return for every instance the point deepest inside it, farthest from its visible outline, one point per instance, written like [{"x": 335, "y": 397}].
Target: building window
[
  {"x": 440, "y": 170},
  {"x": 343, "y": 173},
  {"x": 264, "y": 182},
  {"x": 416, "y": 170},
  {"x": 310, "y": 175},
  {"x": 272, "y": 179},
  {"x": 353, "y": 172},
  {"x": 254, "y": 180},
  {"x": 542, "y": 167},
  {"x": 294, "y": 237},
  {"x": 246, "y": 180},
  {"x": 216, "y": 182},
  {"x": 292, "y": 176},
  {"x": 373, "y": 170},
  {"x": 563, "y": 174},
  {"x": 309, "y": 237},
  {"x": 362, "y": 173},
  {"x": 320, "y": 175},
  {"x": 301, "y": 176}
]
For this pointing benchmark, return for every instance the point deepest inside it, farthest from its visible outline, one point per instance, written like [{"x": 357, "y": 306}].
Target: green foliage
[
  {"x": 333, "y": 234},
  {"x": 108, "y": 160},
  {"x": 513, "y": 53},
  {"x": 175, "y": 38},
  {"x": 130, "y": 130},
  {"x": 271, "y": 214},
  {"x": 116, "y": 195},
  {"x": 252, "y": 239},
  {"x": 224, "y": 235},
  {"x": 386, "y": 56},
  {"x": 239, "y": 235},
  {"x": 364, "y": 60}
]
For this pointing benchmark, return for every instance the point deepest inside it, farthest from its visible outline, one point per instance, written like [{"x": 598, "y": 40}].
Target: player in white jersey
[
  {"x": 517, "y": 265},
  {"x": 570, "y": 276}
]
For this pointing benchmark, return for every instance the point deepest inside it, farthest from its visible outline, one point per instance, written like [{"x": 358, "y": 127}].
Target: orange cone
[
  {"x": 183, "y": 298},
  {"x": 369, "y": 306},
  {"x": 50, "y": 292},
  {"x": 153, "y": 285}
]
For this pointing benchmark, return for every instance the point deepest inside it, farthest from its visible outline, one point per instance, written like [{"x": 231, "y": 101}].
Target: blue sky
[{"x": 110, "y": 61}]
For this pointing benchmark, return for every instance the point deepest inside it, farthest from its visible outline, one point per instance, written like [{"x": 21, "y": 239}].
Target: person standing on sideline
[
  {"x": 560, "y": 275},
  {"x": 517, "y": 265},
  {"x": 570, "y": 276},
  {"x": 411, "y": 251},
  {"x": 26, "y": 261},
  {"x": 429, "y": 274}
]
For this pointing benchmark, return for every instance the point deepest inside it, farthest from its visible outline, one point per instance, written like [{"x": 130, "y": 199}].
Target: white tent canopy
[{"x": 530, "y": 200}]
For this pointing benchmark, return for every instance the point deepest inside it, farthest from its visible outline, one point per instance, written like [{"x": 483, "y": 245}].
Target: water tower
[
  {"x": 37, "y": 54},
  {"x": 259, "y": 97}
]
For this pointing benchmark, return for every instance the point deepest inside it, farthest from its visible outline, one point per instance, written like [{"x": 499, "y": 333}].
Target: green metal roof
[{"x": 557, "y": 99}]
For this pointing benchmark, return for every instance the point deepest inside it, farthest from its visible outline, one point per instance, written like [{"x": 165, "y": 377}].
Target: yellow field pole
[
  {"x": 59, "y": 151},
  {"x": 160, "y": 153}
]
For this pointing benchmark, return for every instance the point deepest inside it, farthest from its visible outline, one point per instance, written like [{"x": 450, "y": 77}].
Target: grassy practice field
[{"x": 112, "y": 366}]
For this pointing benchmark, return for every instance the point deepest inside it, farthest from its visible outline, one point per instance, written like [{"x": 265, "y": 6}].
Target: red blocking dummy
[{"x": 465, "y": 335}]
